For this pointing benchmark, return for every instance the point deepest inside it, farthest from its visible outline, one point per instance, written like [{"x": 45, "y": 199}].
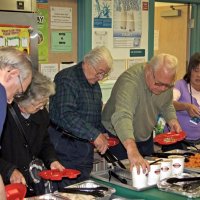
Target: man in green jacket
[{"x": 139, "y": 95}]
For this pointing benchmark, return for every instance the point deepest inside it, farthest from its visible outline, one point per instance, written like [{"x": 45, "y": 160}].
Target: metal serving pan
[
  {"x": 189, "y": 189},
  {"x": 67, "y": 196},
  {"x": 123, "y": 173},
  {"x": 52, "y": 196},
  {"x": 93, "y": 184}
]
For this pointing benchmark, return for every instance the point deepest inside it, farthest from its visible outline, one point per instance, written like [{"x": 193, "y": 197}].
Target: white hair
[{"x": 97, "y": 55}]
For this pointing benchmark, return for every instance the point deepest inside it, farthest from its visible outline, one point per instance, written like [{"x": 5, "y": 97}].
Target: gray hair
[
  {"x": 11, "y": 57},
  {"x": 41, "y": 87},
  {"x": 169, "y": 62},
  {"x": 97, "y": 55}
]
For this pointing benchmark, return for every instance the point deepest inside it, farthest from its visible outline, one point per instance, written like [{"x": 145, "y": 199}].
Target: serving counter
[{"x": 149, "y": 194}]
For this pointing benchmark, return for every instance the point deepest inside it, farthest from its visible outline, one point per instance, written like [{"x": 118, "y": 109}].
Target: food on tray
[
  {"x": 194, "y": 161},
  {"x": 169, "y": 138},
  {"x": 78, "y": 196},
  {"x": 61, "y": 196}
]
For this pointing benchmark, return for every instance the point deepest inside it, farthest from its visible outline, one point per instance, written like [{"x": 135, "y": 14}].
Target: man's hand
[
  {"x": 135, "y": 157},
  {"x": 17, "y": 177},
  {"x": 174, "y": 125},
  {"x": 101, "y": 142}
]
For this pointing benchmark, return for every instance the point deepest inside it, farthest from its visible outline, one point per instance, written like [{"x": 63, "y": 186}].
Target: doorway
[{"x": 171, "y": 32}]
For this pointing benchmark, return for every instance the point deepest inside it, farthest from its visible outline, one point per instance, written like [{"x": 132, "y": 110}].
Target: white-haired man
[
  {"x": 139, "y": 95},
  {"x": 15, "y": 76}
]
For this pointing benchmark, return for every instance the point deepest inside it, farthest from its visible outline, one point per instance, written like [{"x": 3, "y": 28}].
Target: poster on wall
[
  {"x": 101, "y": 38},
  {"x": 61, "y": 18},
  {"x": 15, "y": 36},
  {"x": 42, "y": 21},
  {"x": 102, "y": 10},
  {"x": 127, "y": 23},
  {"x": 61, "y": 41},
  {"x": 49, "y": 70},
  {"x": 127, "y": 38}
]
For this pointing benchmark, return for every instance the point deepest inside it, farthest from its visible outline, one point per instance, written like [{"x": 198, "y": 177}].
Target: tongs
[
  {"x": 176, "y": 180},
  {"x": 96, "y": 192},
  {"x": 119, "y": 178},
  {"x": 165, "y": 154},
  {"x": 108, "y": 155},
  {"x": 113, "y": 159}
]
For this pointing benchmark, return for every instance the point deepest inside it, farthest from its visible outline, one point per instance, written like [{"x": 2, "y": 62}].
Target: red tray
[
  {"x": 15, "y": 191},
  {"x": 112, "y": 142},
  {"x": 56, "y": 175},
  {"x": 169, "y": 138}
]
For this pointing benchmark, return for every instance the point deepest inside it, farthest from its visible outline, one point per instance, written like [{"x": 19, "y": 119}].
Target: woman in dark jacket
[{"x": 18, "y": 149}]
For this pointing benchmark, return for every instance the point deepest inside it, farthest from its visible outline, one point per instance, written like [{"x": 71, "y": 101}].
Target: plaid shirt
[{"x": 76, "y": 106}]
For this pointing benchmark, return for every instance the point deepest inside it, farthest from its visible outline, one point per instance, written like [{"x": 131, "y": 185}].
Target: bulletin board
[{"x": 56, "y": 53}]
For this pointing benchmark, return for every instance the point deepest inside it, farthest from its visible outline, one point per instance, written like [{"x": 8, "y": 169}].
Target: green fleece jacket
[{"x": 132, "y": 109}]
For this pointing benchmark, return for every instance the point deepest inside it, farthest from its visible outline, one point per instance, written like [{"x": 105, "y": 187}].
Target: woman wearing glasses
[
  {"x": 19, "y": 145},
  {"x": 186, "y": 100}
]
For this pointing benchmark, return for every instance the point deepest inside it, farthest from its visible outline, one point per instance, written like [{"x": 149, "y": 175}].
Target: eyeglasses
[
  {"x": 160, "y": 84},
  {"x": 100, "y": 75},
  {"x": 21, "y": 94}
]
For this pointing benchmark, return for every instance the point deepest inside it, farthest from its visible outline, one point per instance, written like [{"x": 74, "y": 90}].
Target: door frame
[{"x": 194, "y": 36}]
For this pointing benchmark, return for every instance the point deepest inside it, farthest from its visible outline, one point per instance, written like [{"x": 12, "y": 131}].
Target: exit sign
[{"x": 137, "y": 52}]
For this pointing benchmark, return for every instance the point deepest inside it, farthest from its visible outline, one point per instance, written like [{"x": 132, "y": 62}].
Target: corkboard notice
[{"x": 62, "y": 32}]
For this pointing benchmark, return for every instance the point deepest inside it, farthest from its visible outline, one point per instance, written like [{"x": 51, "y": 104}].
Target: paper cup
[
  {"x": 139, "y": 180},
  {"x": 154, "y": 174},
  {"x": 165, "y": 168},
  {"x": 177, "y": 164}
]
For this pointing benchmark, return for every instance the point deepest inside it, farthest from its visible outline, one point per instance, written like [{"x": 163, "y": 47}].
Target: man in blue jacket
[{"x": 15, "y": 76}]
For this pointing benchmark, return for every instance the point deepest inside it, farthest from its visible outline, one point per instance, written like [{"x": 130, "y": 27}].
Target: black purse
[{"x": 36, "y": 165}]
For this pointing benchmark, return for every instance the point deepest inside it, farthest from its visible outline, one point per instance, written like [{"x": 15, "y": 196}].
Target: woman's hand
[
  {"x": 17, "y": 177},
  {"x": 57, "y": 165},
  {"x": 193, "y": 110}
]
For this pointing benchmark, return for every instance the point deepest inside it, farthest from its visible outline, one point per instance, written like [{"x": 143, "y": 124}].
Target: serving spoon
[{"x": 155, "y": 161}]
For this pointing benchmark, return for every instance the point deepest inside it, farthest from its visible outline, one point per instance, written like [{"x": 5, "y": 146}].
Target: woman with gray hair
[
  {"x": 38, "y": 94},
  {"x": 34, "y": 141}
]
